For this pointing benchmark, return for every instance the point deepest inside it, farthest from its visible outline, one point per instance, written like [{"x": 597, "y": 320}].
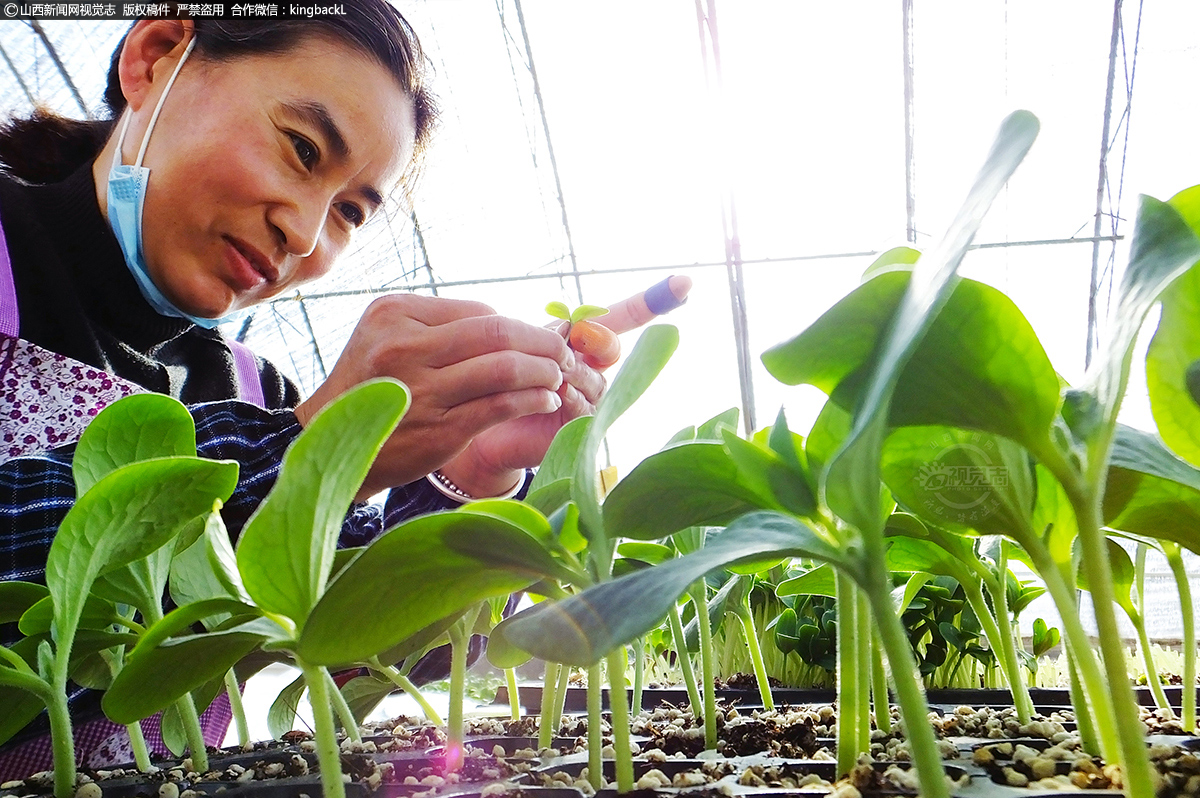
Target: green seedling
[{"x": 139, "y": 484}]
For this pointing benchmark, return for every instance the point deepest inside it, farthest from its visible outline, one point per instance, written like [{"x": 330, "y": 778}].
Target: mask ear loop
[{"x": 157, "y": 108}]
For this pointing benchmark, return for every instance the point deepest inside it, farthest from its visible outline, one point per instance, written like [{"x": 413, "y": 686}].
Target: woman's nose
[{"x": 299, "y": 226}]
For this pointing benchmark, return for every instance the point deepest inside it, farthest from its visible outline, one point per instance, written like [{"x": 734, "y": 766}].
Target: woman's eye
[
  {"x": 305, "y": 150},
  {"x": 352, "y": 213}
]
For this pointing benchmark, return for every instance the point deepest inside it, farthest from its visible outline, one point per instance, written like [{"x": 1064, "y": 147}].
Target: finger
[
  {"x": 588, "y": 381},
  {"x": 485, "y": 412},
  {"x": 473, "y": 337},
  {"x": 430, "y": 310},
  {"x": 655, "y": 301},
  {"x": 495, "y": 373},
  {"x": 598, "y": 345}
]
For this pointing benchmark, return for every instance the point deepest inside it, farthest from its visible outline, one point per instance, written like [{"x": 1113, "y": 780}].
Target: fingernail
[
  {"x": 570, "y": 360},
  {"x": 555, "y": 400}
]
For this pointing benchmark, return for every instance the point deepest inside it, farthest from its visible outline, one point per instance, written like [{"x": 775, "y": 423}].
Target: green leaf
[
  {"x": 208, "y": 568},
  {"x": 286, "y": 550},
  {"x": 423, "y": 570},
  {"x": 852, "y": 481},
  {"x": 581, "y": 629},
  {"x": 692, "y": 484},
  {"x": 503, "y": 654},
  {"x": 960, "y": 479},
  {"x": 584, "y": 312},
  {"x": 910, "y": 555},
  {"x": 551, "y": 497},
  {"x": 819, "y": 581},
  {"x": 17, "y": 597},
  {"x": 896, "y": 259},
  {"x": 651, "y": 353},
  {"x": 769, "y": 474},
  {"x": 828, "y": 433},
  {"x": 154, "y": 677},
  {"x": 139, "y": 427},
  {"x": 140, "y": 584},
  {"x": 127, "y": 515},
  {"x": 281, "y": 717},
  {"x": 20, "y": 706},
  {"x": 650, "y": 553},
  {"x": 559, "y": 462},
  {"x": 515, "y": 512},
  {"x": 363, "y": 694},
  {"x": 559, "y": 311},
  {"x": 1163, "y": 247},
  {"x": 1151, "y": 492},
  {"x": 711, "y": 430},
  {"x": 903, "y": 596},
  {"x": 1123, "y": 575},
  {"x": 98, "y": 613}
]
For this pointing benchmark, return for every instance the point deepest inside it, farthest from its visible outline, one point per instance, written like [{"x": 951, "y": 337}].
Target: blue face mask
[{"x": 126, "y": 200}]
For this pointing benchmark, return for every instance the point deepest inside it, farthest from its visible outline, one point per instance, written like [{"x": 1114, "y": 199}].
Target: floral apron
[{"x": 46, "y": 400}]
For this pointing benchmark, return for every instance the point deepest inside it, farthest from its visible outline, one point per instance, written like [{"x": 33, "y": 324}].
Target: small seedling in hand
[{"x": 598, "y": 344}]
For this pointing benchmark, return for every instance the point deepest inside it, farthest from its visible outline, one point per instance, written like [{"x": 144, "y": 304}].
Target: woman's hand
[
  {"x": 495, "y": 460},
  {"x": 468, "y": 369}
]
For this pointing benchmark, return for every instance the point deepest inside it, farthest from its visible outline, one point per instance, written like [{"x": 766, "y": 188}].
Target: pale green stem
[
  {"x": 685, "y": 660},
  {"x": 344, "y": 713},
  {"x": 1010, "y": 663},
  {"x": 1085, "y": 721},
  {"x": 1139, "y": 623},
  {"x": 547, "y": 720},
  {"x": 1097, "y": 701},
  {"x": 847, "y": 675},
  {"x": 862, "y": 645},
  {"x": 742, "y": 611},
  {"x": 639, "y": 672},
  {"x": 910, "y": 695},
  {"x": 63, "y": 739},
  {"x": 235, "y": 703},
  {"x": 460, "y": 639},
  {"x": 1139, "y": 779},
  {"x": 328, "y": 753},
  {"x": 137, "y": 742},
  {"x": 618, "y": 701},
  {"x": 404, "y": 683},
  {"x": 560, "y": 698},
  {"x": 706, "y": 665},
  {"x": 883, "y": 708},
  {"x": 595, "y": 730},
  {"x": 1188, "y": 692},
  {"x": 114, "y": 657},
  {"x": 1002, "y": 646},
  {"x": 514, "y": 695},
  {"x": 186, "y": 707}
]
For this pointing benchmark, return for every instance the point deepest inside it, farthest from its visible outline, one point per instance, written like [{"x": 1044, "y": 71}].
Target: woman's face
[{"x": 262, "y": 167}]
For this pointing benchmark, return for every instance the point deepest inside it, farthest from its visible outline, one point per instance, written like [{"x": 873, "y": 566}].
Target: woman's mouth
[{"x": 248, "y": 268}]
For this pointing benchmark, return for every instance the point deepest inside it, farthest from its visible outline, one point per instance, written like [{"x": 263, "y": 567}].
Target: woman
[{"x": 240, "y": 159}]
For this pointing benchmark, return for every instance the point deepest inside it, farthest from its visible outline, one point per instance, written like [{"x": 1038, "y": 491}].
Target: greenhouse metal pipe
[
  {"x": 910, "y": 197},
  {"x": 522, "y": 278},
  {"x": 562, "y": 202},
  {"x": 733, "y": 245},
  {"x": 1094, "y": 286},
  {"x": 17, "y": 75},
  {"x": 37, "y": 28}
]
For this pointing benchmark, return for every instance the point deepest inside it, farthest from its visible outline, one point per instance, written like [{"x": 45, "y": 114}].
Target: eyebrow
[{"x": 317, "y": 115}]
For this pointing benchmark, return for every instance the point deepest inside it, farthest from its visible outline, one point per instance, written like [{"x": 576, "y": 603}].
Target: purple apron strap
[
  {"x": 249, "y": 384},
  {"x": 10, "y": 317}
]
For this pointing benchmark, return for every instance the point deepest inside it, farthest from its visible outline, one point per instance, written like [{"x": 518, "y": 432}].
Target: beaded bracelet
[{"x": 447, "y": 487}]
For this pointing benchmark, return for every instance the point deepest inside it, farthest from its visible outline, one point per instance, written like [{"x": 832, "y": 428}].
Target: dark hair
[{"x": 46, "y": 147}]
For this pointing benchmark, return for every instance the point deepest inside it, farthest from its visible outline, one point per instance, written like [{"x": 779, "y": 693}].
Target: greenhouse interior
[{"x": 772, "y": 151}]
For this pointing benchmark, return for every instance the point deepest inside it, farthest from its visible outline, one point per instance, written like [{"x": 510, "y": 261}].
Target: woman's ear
[{"x": 152, "y": 49}]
